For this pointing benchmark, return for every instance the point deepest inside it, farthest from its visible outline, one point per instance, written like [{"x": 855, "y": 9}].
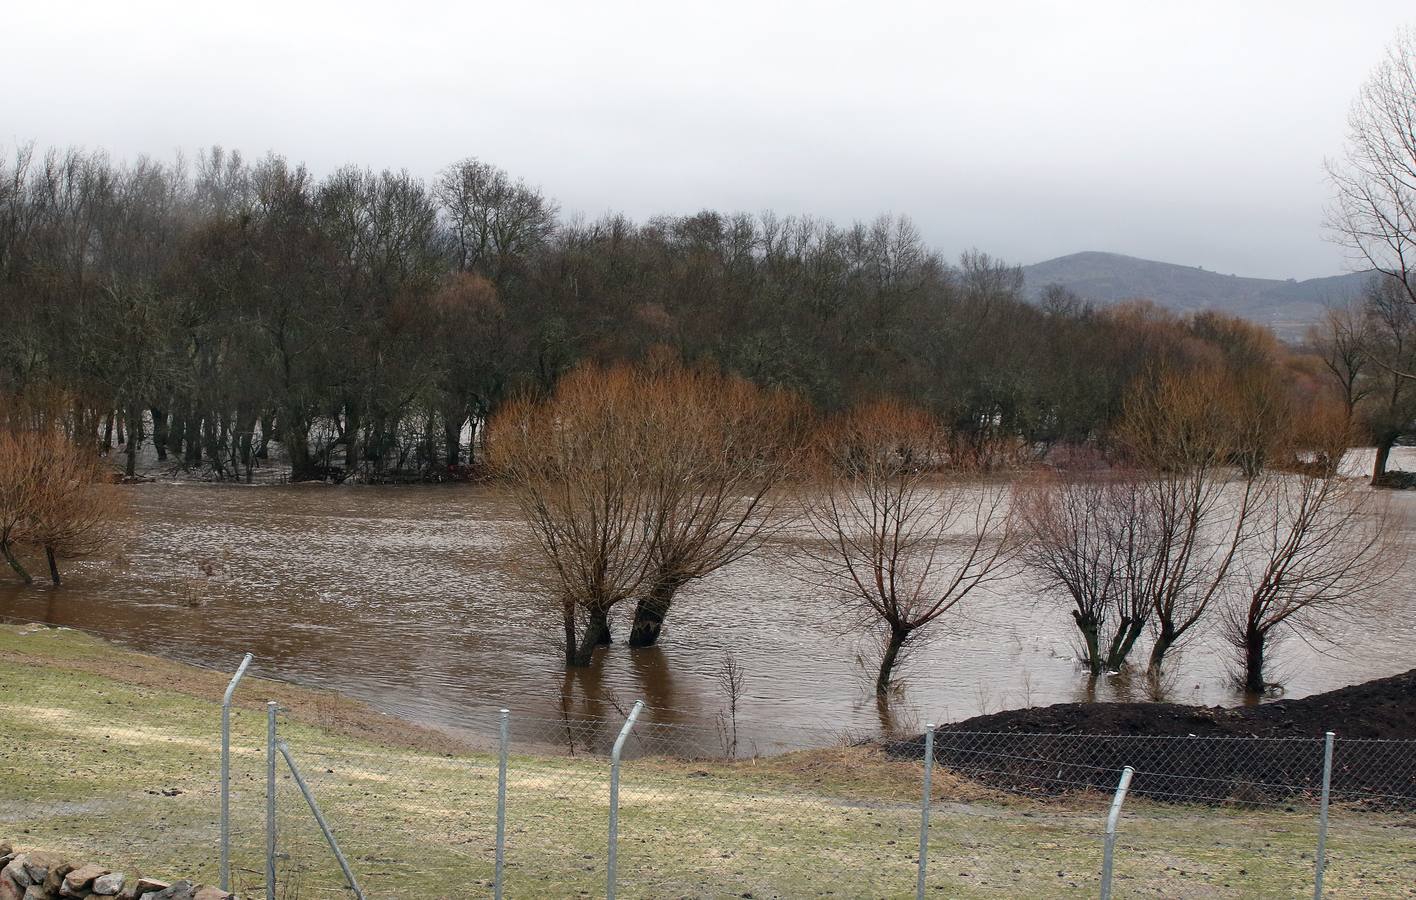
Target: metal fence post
[
  {"x": 614, "y": 798},
  {"x": 226, "y": 772},
  {"x": 1323, "y": 817},
  {"x": 270, "y": 800},
  {"x": 501, "y": 802},
  {"x": 353, "y": 882},
  {"x": 924, "y": 809},
  {"x": 1109, "y": 847}
]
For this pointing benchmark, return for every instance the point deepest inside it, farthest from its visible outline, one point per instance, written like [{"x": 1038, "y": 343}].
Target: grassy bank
[{"x": 111, "y": 756}]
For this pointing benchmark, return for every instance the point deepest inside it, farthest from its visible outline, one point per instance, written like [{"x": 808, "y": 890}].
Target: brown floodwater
[{"x": 406, "y": 597}]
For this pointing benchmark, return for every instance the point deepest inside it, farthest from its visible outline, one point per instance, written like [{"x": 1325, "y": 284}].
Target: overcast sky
[{"x": 1188, "y": 132}]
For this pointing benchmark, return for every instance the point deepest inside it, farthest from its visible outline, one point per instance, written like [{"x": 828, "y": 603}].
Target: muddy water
[{"x": 405, "y": 597}]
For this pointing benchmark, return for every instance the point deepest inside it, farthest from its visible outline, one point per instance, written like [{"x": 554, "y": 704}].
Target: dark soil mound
[{"x": 1269, "y": 753}]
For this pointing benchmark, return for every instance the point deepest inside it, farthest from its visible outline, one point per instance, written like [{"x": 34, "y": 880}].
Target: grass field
[{"x": 112, "y": 757}]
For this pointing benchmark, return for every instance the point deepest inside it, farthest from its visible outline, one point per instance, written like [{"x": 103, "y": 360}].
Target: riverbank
[
  {"x": 111, "y": 755},
  {"x": 1384, "y": 708}
]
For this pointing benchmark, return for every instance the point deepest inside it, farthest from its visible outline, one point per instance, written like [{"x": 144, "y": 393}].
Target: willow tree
[
  {"x": 53, "y": 498},
  {"x": 76, "y": 509},
  {"x": 904, "y": 532},
  {"x": 1183, "y": 431},
  {"x": 721, "y": 447},
  {"x": 1095, "y": 540},
  {"x": 635, "y": 481},
  {"x": 575, "y": 465},
  {"x": 1319, "y": 546}
]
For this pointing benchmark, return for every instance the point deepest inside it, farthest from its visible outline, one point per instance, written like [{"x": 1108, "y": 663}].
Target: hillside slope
[{"x": 1288, "y": 307}]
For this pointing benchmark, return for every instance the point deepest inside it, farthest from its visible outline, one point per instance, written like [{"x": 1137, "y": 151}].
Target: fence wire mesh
[{"x": 701, "y": 814}]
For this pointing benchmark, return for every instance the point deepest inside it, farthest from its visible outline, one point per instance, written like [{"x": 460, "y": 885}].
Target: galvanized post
[
  {"x": 501, "y": 802},
  {"x": 352, "y": 882},
  {"x": 614, "y": 798},
  {"x": 1109, "y": 848},
  {"x": 270, "y": 799},
  {"x": 1323, "y": 817},
  {"x": 924, "y": 809},
  {"x": 226, "y": 772}
]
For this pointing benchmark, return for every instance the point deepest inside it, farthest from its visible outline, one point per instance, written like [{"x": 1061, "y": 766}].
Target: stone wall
[{"x": 36, "y": 875}]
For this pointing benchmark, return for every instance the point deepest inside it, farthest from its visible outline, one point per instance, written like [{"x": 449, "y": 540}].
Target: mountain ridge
[{"x": 1288, "y": 306}]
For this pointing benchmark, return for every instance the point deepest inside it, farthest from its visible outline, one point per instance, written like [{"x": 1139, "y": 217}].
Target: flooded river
[{"x": 405, "y": 597}]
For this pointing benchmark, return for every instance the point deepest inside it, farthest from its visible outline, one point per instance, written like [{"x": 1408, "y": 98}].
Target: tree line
[{"x": 372, "y": 324}]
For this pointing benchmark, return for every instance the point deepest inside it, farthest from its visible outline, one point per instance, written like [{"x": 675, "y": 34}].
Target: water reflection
[{"x": 404, "y": 597}]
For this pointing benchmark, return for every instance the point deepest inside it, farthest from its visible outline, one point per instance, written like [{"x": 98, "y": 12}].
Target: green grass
[{"x": 112, "y": 757}]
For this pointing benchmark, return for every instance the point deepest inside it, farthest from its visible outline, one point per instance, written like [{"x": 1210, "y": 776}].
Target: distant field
[{"x": 112, "y": 756}]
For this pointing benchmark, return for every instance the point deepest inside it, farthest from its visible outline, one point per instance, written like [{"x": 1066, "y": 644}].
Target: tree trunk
[
  {"x": 650, "y": 612},
  {"x": 297, "y": 443},
  {"x": 135, "y": 439},
  {"x": 267, "y": 431},
  {"x": 597, "y": 633},
  {"x": 192, "y": 425},
  {"x": 53, "y": 564},
  {"x": 15, "y": 563},
  {"x": 1254, "y": 661},
  {"x": 1164, "y": 640},
  {"x": 452, "y": 435},
  {"x": 1124, "y": 640},
  {"x": 1089, "y": 627},
  {"x": 159, "y": 433},
  {"x": 887, "y": 662},
  {"x": 351, "y": 437},
  {"x": 568, "y": 613},
  {"x": 176, "y": 433},
  {"x": 108, "y": 433},
  {"x": 1384, "y": 445}
]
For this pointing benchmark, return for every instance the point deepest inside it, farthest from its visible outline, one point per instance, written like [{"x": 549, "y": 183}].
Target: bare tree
[
  {"x": 1343, "y": 342},
  {"x": 903, "y": 535},
  {"x": 720, "y": 448},
  {"x": 1318, "y": 546},
  {"x": 1182, "y": 430},
  {"x": 51, "y": 495},
  {"x": 1374, "y": 212},
  {"x": 21, "y": 477},
  {"x": 75, "y": 509},
  {"x": 574, "y": 464},
  {"x": 1388, "y": 407},
  {"x": 731, "y": 680},
  {"x": 1095, "y": 539}
]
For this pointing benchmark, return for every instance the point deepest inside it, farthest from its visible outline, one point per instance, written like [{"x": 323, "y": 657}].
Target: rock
[
  {"x": 35, "y": 892},
  {"x": 15, "y": 874},
  {"x": 108, "y": 885},
  {"x": 149, "y": 886},
  {"x": 178, "y": 890},
  {"x": 9, "y": 890},
  {"x": 207, "y": 892},
  {"x": 77, "y": 881},
  {"x": 54, "y": 881}
]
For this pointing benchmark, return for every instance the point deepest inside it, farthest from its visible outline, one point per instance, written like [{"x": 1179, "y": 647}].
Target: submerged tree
[
  {"x": 903, "y": 533},
  {"x": 719, "y": 448},
  {"x": 1182, "y": 431},
  {"x": 52, "y": 496},
  {"x": 1095, "y": 540},
  {"x": 574, "y": 463},
  {"x": 637, "y": 481},
  {"x": 21, "y": 474},
  {"x": 75, "y": 509},
  {"x": 1319, "y": 545}
]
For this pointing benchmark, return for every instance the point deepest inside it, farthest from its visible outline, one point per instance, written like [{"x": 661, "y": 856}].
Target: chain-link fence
[{"x": 698, "y": 814}]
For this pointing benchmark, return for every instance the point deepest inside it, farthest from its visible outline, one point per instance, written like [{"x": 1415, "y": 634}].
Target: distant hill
[{"x": 1288, "y": 307}]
